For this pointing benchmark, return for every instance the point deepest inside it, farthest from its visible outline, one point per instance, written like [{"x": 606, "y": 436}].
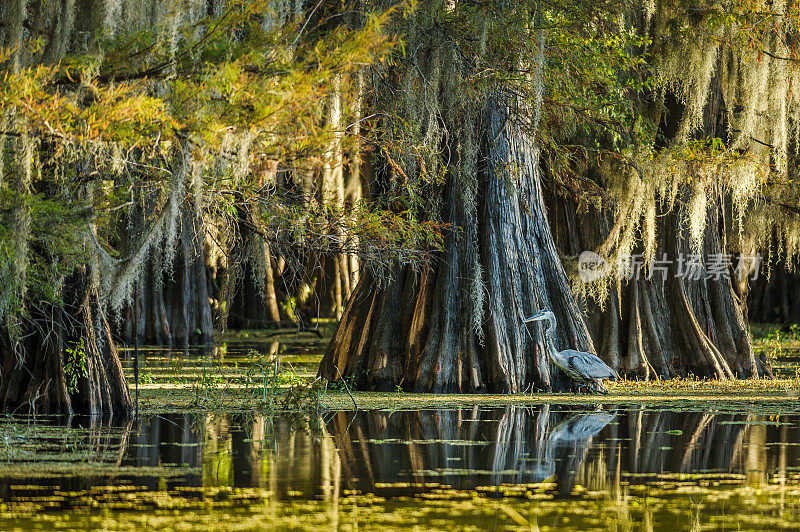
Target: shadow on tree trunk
[
  {"x": 456, "y": 326},
  {"x": 63, "y": 360}
]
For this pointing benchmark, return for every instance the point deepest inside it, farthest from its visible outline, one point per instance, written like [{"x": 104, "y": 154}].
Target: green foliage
[
  {"x": 162, "y": 118},
  {"x": 773, "y": 342},
  {"x": 288, "y": 306},
  {"x": 277, "y": 386},
  {"x": 75, "y": 365},
  {"x": 595, "y": 69},
  {"x": 343, "y": 384},
  {"x": 145, "y": 375}
]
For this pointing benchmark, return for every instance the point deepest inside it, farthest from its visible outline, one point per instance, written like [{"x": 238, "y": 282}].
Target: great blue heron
[{"x": 583, "y": 368}]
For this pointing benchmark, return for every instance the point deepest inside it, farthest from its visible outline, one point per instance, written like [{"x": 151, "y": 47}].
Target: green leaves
[
  {"x": 75, "y": 365},
  {"x": 208, "y": 108}
]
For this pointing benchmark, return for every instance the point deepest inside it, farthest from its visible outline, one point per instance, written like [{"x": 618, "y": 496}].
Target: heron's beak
[{"x": 535, "y": 317}]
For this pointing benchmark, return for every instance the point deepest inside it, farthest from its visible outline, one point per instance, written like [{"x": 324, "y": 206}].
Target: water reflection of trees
[
  {"x": 465, "y": 448},
  {"x": 260, "y": 451},
  {"x": 64, "y": 453},
  {"x": 167, "y": 441}
]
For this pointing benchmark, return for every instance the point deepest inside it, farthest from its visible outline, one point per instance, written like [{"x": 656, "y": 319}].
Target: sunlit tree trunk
[
  {"x": 430, "y": 331},
  {"x": 354, "y": 188},
  {"x": 336, "y": 268}
]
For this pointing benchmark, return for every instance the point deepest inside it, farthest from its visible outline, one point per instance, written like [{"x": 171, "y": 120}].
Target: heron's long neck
[{"x": 550, "y": 337}]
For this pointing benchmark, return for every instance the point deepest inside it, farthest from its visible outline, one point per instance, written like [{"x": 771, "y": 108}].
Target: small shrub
[{"x": 75, "y": 366}]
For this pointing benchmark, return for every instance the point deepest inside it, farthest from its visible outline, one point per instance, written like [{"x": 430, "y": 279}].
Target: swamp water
[{"x": 545, "y": 466}]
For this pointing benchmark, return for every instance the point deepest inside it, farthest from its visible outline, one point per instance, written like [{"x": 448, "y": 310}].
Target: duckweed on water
[
  {"x": 691, "y": 506},
  {"x": 208, "y": 452}
]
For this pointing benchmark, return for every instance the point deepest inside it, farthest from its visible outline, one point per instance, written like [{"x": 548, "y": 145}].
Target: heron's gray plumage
[
  {"x": 582, "y": 367},
  {"x": 586, "y": 364}
]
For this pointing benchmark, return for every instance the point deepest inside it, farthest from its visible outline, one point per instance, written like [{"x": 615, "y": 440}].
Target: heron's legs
[
  {"x": 599, "y": 388},
  {"x": 592, "y": 386}
]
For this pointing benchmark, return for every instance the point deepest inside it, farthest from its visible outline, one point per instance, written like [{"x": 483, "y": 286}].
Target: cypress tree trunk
[
  {"x": 775, "y": 295},
  {"x": 431, "y": 330},
  {"x": 667, "y": 324},
  {"x": 333, "y": 272},
  {"x": 64, "y": 361},
  {"x": 253, "y": 300},
  {"x": 173, "y": 305},
  {"x": 355, "y": 189}
]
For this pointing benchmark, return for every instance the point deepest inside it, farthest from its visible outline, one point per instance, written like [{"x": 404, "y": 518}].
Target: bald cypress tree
[
  {"x": 665, "y": 134},
  {"x": 129, "y": 130},
  {"x": 455, "y": 324}
]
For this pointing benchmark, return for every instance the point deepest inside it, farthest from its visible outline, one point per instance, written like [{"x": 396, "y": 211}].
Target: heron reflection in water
[{"x": 575, "y": 431}]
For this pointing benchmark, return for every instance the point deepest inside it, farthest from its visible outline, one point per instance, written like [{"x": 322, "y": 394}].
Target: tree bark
[
  {"x": 41, "y": 376},
  {"x": 254, "y": 304},
  {"x": 431, "y": 330},
  {"x": 172, "y": 305},
  {"x": 668, "y": 325},
  {"x": 675, "y": 325}
]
